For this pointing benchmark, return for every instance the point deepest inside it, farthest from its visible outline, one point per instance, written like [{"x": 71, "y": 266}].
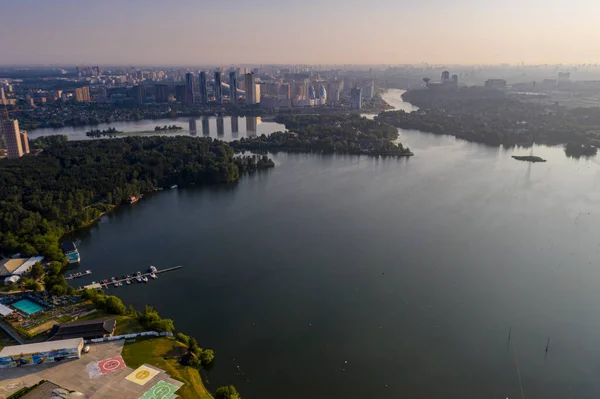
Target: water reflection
[
  {"x": 234, "y": 126},
  {"x": 205, "y": 126},
  {"x": 252, "y": 123},
  {"x": 192, "y": 126},
  {"x": 220, "y": 127}
]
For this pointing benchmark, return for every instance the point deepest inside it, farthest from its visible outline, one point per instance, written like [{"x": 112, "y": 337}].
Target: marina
[
  {"x": 78, "y": 275},
  {"x": 137, "y": 277}
]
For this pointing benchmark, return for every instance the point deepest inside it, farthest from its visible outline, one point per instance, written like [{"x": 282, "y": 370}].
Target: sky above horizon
[{"x": 188, "y": 32}]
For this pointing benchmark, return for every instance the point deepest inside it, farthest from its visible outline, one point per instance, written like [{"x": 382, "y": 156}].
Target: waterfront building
[
  {"x": 180, "y": 93},
  {"x": 218, "y": 88},
  {"x": 189, "y": 88},
  {"x": 40, "y": 353},
  {"x": 250, "y": 87},
  {"x": 356, "y": 98},
  {"x": 162, "y": 93},
  {"x": 203, "y": 88},
  {"x": 233, "y": 87},
  {"x": 9, "y": 130}
]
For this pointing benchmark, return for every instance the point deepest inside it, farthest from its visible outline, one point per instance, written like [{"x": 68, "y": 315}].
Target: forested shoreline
[{"x": 71, "y": 184}]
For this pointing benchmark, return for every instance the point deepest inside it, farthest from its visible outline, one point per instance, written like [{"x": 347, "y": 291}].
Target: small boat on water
[
  {"x": 154, "y": 277},
  {"x": 116, "y": 284},
  {"x": 145, "y": 279},
  {"x": 139, "y": 277},
  {"x": 152, "y": 269},
  {"x": 128, "y": 281},
  {"x": 88, "y": 272},
  {"x": 174, "y": 186}
]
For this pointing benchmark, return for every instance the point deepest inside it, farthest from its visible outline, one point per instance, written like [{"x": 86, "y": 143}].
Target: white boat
[
  {"x": 128, "y": 281},
  {"x": 139, "y": 277},
  {"x": 153, "y": 276},
  {"x": 116, "y": 284},
  {"x": 145, "y": 279},
  {"x": 174, "y": 186},
  {"x": 153, "y": 269}
]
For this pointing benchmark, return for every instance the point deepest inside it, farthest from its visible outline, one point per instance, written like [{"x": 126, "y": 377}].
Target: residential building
[
  {"x": 233, "y": 86},
  {"x": 82, "y": 94},
  {"x": 180, "y": 93},
  {"x": 498, "y": 84},
  {"x": 203, "y": 88},
  {"x": 218, "y": 88},
  {"x": 356, "y": 98},
  {"x": 24, "y": 142},
  {"x": 250, "y": 87},
  {"x": 162, "y": 93},
  {"x": 9, "y": 129},
  {"x": 189, "y": 88}
]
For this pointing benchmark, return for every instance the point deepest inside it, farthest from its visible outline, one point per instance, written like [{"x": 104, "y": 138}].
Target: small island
[
  {"x": 528, "y": 158},
  {"x": 167, "y": 128},
  {"x": 111, "y": 131}
]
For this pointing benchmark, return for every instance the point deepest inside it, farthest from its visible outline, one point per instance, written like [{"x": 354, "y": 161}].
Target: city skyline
[{"x": 384, "y": 32}]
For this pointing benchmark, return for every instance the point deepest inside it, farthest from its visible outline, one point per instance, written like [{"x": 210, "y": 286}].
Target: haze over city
[{"x": 310, "y": 32}]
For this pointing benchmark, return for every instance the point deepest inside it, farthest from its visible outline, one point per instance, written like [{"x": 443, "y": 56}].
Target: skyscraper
[
  {"x": 180, "y": 93},
  {"x": 137, "y": 92},
  {"x": 189, "y": 88},
  {"x": 250, "y": 88},
  {"x": 445, "y": 76},
  {"x": 356, "y": 98},
  {"x": 162, "y": 93},
  {"x": 233, "y": 87},
  {"x": 2, "y": 96},
  {"x": 9, "y": 130},
  {"x": 220, "y": 126},
  {"x": 203, "y": 89},
  {"x": 24, "y": 142},
  {"x": 218, "y": 88}
]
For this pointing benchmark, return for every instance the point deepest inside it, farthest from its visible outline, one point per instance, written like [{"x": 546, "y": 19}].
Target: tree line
[{"x": 71, "y": 184}]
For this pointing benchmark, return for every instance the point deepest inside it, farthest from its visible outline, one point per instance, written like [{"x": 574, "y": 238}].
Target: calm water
[
  {"x": 353, "y": 277},
  {"x": 226, "y": 128}
]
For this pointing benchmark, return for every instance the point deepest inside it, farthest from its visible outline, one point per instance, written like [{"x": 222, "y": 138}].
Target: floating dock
[
  {"x": 133, "y": 278},
  {"x": 78, "y": 275}
]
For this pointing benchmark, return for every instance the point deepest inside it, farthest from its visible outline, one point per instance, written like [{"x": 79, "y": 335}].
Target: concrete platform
[{"x": 73, "y": 375}]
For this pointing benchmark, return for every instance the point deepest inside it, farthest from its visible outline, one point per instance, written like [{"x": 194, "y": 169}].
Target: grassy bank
[{"x": 154, "y": 352}]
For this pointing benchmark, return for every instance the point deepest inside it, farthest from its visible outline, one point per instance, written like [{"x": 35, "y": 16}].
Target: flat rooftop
[{"x": 41, "y": 347}]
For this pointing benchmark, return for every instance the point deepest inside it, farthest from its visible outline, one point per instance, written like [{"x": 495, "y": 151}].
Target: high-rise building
[
  {"x": 220, "y": 126},
  {"x": 24, "y": 142},
  {"x": 218, "y": 88},
  {"x": 82, "y": 94},
  {"x": 189, "y": 88},
  {"x": 356, "y": 98},
  {"x": 284, "y": 92},
  {"x": 180, "y": 92},
  {"x": 234, "y": 125},
  {"x": 137, "y": 92},
  {"x": 203, "y": 89},
  {"x": 162, "y": 93},
  {"x": 250, "y": 88},
  {"x": 9, "y": 130},
  {"x": 205, "y": 126},
  {"x": 333, "y": 93},
  {"x": 2, "y": 96},
  {"x": 233, "y": 86},
  {"x": 445, "y": 76}
]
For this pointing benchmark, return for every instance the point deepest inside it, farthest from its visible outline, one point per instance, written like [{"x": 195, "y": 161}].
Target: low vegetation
[{"x": 156, "y": 353}]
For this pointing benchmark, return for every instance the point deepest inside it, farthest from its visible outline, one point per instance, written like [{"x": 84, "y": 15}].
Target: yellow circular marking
[{"x": 142, "y": 375}]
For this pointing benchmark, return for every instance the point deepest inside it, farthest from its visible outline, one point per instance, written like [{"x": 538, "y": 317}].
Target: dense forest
[
  {"x": 492, "y": 117},
  {"x": 72, "y": 183},
  {"x": 331, "y": 133}
]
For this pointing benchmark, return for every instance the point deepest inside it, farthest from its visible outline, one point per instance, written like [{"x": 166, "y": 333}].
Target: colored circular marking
[
  {"x": 111, "y": 365},
  {"x": 142, "y": 375}
]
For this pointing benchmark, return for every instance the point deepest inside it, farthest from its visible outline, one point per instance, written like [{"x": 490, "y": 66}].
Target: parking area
[{"x": 75, "y": 375}]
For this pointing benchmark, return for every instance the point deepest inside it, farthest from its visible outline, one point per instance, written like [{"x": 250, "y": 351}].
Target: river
[
  {"x": 356, "y": 277},
  {"x": 227, "y": 128}
]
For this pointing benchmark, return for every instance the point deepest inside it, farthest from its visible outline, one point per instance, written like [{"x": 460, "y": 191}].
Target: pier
[{"x": 102, "y": 284}]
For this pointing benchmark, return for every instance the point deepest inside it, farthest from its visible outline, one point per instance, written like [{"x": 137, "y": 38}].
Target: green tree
[
  {"x": 58, "y": 290},
  {"x": 184, "y": 339},
  {"x": 227, "y": 392},
  {"x": 37, "y": 271},
  {"x": 114, "y": 305},
  {"x": 207, "y": 356}
]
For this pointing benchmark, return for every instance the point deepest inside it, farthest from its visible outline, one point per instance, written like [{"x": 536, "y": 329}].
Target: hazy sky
[{"x": 196, "y": 32}]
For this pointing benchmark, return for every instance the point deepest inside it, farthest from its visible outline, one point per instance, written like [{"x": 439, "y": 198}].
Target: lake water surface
[
  {"x": 227, "y": 128},
  {"x": 356, "y": 277}
]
